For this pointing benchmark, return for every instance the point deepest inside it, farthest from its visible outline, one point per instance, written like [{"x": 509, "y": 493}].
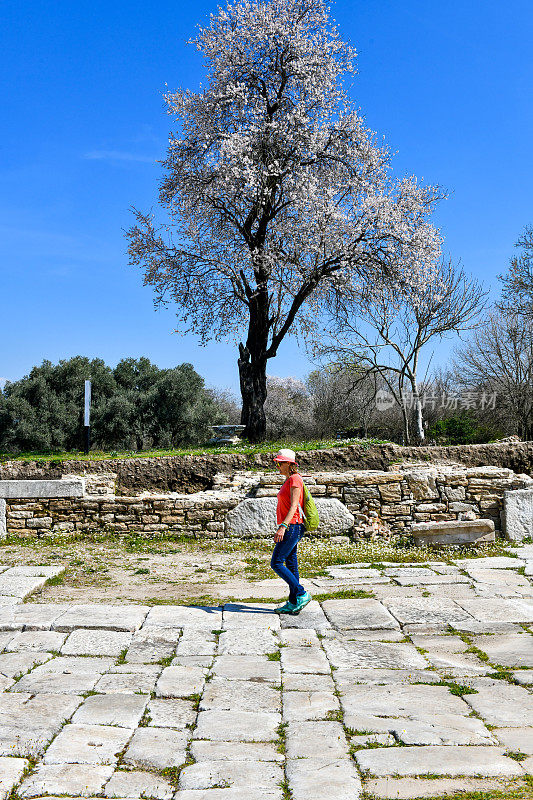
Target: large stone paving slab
[
  {"x": 255, "y": 615},
  {"x": 499, "y": 610},
  {"x": 100, "y": 615},
  {"x": 490, "y": 562},
  {"x": 502, "y": 704},
  {"x": 407, "y": 788},
  {"x": 38, "y": 616},
  {"x": 20, "y": 585},
  {"x": 345, "y": 678},
  {"x": 516, "y": 739},
  {"x": 312, "y": 616},
  {"x": 451, "y": 761},
  {"x": 300, "y": 706},
  {"x": 247, "y": 642},
  {"x": 127, "y": 679},
  {"x": 343, "y": 653},
  {"x": 25, "y": 741},
  {"x": 358, "y": 614},
  {"x": 77, "y": 780},
  {"x": 157, "y": 748},
  {"x": 87, "y": 642},
  {"x": 61, "y": 675},
  {"x": 429, "y": 611},
  {"x": 514, "y": 650},
  {"x": 402, "y": 700},
  {"x": 41, "y": 641},
  {"x": 138, "y": 784},
  {"x": 87, "y": 744},
  {"x": 184, "y": 617},
  {"x": 457, "y": 664},
  {"x": 122, "y": 710},
  {"x": 202, "y": 750},
  {"x": 225, "y": 695},
  {"x": 201, "y": 642},
  {"x": 318, "y": 778},
  {"x": 239, "y": 726},
  {"x": 307, "y": 739},
  {"x": 304, "y": 659},
  {"x": 11, "y": 770},
  {"x": 450, "y": 729},
  {"x": 213, "y": 774},
  {"x": 235, "y": 793},
  {"x": 247, "y": 668},
  {"x": 180, "y": 682},
  {"x": 152, "y": 643},
  {"x": 171, "y": 713},
  {"x": 15, "y": 664}
]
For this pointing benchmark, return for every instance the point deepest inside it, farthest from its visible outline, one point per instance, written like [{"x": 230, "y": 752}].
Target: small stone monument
[{"x": 225, "y": 435}]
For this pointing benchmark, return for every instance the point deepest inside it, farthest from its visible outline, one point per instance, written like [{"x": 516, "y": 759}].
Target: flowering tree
[{"x": 278, "y": 200}]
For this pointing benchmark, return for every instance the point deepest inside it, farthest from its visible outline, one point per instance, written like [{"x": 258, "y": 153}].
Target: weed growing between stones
[
  {"x": 276, "y": 656},
  {"x": 516, "y": 755},
  {"x": 195, "y": 700},
  {"x": 281, "y": 730},
  {"x": 145, "y": 720},
  {"x": 458, "y": 689}
]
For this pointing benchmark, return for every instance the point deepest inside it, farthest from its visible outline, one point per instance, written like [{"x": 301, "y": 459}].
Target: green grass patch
[
  {"x": 344, "y": 594},
  {"x": 243, "y": 448},
  {"x": 276, "y": 656}
]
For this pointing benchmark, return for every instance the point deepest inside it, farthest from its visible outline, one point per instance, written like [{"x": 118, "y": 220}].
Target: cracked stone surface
[{"x": 105, "y": 697}]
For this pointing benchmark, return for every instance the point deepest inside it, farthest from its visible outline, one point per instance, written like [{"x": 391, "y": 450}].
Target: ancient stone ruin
[{"x": 434, "y": 502}]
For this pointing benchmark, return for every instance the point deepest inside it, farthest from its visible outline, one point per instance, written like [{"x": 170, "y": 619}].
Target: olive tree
[{"x": 277, "y": 199}]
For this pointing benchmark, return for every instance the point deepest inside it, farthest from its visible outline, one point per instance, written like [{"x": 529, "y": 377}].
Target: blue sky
[{"x": 449, "y": 84}]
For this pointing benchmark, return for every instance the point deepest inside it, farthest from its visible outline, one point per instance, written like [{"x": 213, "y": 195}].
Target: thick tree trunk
[
  {"x": 252, "y": 367},
  {"x": 252, "y": 374}
]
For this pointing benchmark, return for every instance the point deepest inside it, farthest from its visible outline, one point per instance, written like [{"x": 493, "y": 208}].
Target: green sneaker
[
  {"x": 301, "y": 602},
  {"x": 288, "y": 608}
]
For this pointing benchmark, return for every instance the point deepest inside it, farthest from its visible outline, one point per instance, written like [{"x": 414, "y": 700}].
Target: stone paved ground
[{"x": 421, "y": 690}]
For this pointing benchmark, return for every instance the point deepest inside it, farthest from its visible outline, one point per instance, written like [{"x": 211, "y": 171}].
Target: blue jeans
[{"x": 284, "y": 560}]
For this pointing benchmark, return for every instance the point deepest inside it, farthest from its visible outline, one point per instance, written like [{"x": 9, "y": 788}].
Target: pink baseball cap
[{"x": 286, "y": 455}]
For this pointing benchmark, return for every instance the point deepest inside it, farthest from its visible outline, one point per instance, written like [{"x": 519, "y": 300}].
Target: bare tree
[
  {"x": 288, "y": 409},
  {"x": 499, "y": 358},
  {"x": 385, "y": 330},
  {"x": 278, "y": 200},
  {"x": 518, "y": 282},
  {"x": 343, "y": 398}
]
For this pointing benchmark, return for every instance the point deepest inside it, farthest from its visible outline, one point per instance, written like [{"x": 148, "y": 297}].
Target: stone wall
[
  {"x": 382, "y": 502},
  {"x": 189, "y": 474}
]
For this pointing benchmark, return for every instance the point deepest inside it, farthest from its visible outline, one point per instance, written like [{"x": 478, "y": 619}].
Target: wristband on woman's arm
[{"x": 284, "y": 524}]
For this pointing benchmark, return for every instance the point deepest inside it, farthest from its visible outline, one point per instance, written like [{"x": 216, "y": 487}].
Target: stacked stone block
[{"x": 382, "y": 502}]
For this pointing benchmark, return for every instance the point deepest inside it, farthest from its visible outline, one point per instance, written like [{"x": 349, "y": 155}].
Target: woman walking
[{"x": 290, "y": 530}]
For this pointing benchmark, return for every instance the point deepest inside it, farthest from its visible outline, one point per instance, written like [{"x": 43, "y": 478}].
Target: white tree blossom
[{"x": 279, "y": 200}]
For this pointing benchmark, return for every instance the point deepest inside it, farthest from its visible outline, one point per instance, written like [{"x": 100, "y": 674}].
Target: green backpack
[{"x": 309, "y": 512}]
